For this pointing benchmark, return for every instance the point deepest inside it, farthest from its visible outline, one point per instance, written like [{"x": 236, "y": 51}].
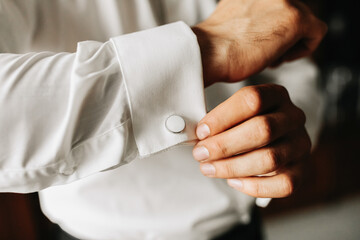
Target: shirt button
[{"x": 175, "y": 124}]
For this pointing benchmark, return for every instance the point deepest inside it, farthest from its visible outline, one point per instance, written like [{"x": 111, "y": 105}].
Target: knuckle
[
  {"x": 288, "y": 185},
  {"x": 301, "y": 142},
  {"x": 265, "y": 129},
  {"x": 293, "y": 20},
  {"x": 282, "y": 91},
  {"x": 320, "y": 26},
  {"x": 307, "y": 142},
  {"x": 252, "y": 96},
  {"x": 228, "y": 170},
  {"x": 283, "y": 3},
  {"x": 295, "y": 11},
  {"x": 295, "y": 15},
  {"x": 257, "y": 189},
  {"x": 323, "y": 27},
  {"x": 299, "y": 116},
  {"x": 254, "y": 188},
  {"x": 271, "y": 160},
  {"x": 221, "y": 149}
]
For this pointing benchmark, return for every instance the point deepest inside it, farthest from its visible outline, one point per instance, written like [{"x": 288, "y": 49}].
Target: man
[{"x": 110, "y": 128}]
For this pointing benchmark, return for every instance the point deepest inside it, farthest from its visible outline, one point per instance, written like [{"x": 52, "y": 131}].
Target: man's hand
[
  {"x": 257, "y": 131},
  {"x": 242, "y": 37}
]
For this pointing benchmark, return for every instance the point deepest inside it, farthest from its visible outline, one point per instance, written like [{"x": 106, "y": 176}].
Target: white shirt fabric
[{"x": 83, "y": 113}]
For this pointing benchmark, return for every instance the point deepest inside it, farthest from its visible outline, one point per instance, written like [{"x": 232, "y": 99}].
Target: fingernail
[
  {"x": 207, "y": 169},
  {"x": 201, "y": 153},
  {"x": 235, "y": 183},
  {"x": 202, "y": 131}
]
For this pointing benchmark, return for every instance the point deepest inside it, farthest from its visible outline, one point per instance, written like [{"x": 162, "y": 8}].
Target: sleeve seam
[{"x": 59, "y": 163}]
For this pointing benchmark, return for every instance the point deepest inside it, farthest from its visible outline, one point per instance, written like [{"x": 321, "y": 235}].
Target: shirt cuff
[{"x": 163, "y": 74}]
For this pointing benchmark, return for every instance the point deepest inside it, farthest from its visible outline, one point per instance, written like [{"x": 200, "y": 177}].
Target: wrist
[{"x": 213, "y": 55}]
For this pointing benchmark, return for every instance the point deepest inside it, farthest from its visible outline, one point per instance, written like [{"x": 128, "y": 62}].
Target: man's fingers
[
  {"x": 246, "y": 103},
  {"x": 281, "y": 185},
  {"x": 307, "y": 45},
  {"x": 249, "y": 135},
  {"x": 313, "y": 30},
  {"x": 313, "y": 36},
  {"x": 316, "y": 32},
  {"x": 261, "y": 161}
]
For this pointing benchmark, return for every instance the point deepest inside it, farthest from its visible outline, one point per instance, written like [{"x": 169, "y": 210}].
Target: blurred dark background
[
  {"x": 335, "y": 159},
  {"x": 332, "y": 187},
  {"x": 333, "y": 174}
]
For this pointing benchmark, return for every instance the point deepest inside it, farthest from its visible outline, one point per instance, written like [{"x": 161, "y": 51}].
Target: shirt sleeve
[{"x": 65, "y": 116}]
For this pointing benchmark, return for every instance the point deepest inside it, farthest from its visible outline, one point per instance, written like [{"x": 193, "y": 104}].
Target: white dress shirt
[{"x": 85, "y": 116}]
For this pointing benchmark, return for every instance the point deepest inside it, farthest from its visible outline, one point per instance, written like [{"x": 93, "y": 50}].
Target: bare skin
[
  {"x": 257, "y": 131},
  {"x": 242, "y": 37}
]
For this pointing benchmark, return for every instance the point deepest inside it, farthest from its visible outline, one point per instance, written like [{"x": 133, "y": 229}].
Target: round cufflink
[{"x": 175, "y": 124}]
